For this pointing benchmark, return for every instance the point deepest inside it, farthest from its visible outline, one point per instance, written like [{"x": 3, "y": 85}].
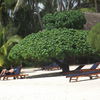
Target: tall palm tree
[
  {"x": 34, "y": 7},
  {"x": 97, "y": 5},
  {"x": 18, "y": 5},
  {"x": 92, "y": 3},
  {"x": 60, "y": 4},
  {"x": 38, "y": 14}
]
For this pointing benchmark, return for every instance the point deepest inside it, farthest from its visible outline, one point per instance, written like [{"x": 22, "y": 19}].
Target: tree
[
  {"x": 97, "y": 5},
  {"x": 7, "y": 41},
  {"x": 56, "y": 45},
  {"x": 94, "y": 37},
  {"x": 68, "y": 19},
  {"x": 3, "y": 14},
  {"x": 5, "y": 48},
  {"x": 19, "y": 3},
  {"x": 38, "y": 14},
  {"x": 91, "y": 4},
  {"x": 22, "y": 14}
]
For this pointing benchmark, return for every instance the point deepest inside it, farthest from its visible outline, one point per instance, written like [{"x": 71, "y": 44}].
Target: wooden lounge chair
[
  {"x": 75, "y": 70},
  {"x": 74, "y": 75},
  {"x": 78, "y": 68},
  {"x": 15, "y": 75},
  {"x": 84, "y": 73},
  {"x": 94, "y": 66}
]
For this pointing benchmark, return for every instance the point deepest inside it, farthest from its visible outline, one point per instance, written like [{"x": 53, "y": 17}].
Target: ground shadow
[
  {"x": 85, "y": 80},
  {"x": 46, "y": 75},
  {"x": 31, "y": 71}
]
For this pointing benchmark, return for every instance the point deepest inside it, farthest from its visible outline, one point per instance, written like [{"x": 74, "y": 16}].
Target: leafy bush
[
  {"x": 88, "y": 10},
  {"x": 68, "y": 19},
  {"x": 1, "y": 60},
  {"x": 49, "y": 44},
  {"x": 7, "y": 41},
  {"x": 94, "y": 37}
]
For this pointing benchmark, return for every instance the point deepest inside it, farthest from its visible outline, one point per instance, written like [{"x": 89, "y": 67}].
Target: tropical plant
[
  {"x": 88, "y": 10},
  {"x": 5, "y": 48},
  {"x": 91, "y": 4},
  {"x": 7, "y": 41},
  {"x": 56, "y": 45},
  {"x": 94, "y": 37},
  {"x": 68, "y": 19}
]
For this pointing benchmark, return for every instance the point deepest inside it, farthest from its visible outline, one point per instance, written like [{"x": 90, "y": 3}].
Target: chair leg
[
  {"x": 4, "y": 78},
  {"x": 14, "y": 77},
  {"x": 70, "y": 79},
  {"x": 7, "y": 78},
  {"x": 76, "y": 79},
  {"x": 96, "y": 76},
  {"x": 24, "y": 76},
  {"x": 90, "y": 77},
  {"x": 21, "y": 77}
]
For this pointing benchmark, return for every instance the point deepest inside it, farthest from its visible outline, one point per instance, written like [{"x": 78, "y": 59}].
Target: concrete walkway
[{"x": 52, "y": 87}]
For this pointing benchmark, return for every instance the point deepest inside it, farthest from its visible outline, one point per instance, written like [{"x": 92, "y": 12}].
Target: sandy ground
[{"x": 48, "y": 85}]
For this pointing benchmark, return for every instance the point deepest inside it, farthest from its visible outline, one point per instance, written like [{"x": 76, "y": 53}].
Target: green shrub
[
  {"x": 68, "y": 19},
  {"x": 48, "y": 44},
  {"x": 94, "y": 37},
  {"x": 1, "y": 60},
  {"x": 87, "y": 10}
]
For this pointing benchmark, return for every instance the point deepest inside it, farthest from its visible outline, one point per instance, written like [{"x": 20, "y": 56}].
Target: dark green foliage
[
  {"x": 10, "y": 3},
  {"x": 48, "y": 44},
  {"x": 94, "y": 37},
  {"x": 24, "y": 21},
  {"x": 88, "y": 10},
  {"x": 68, "y": 19},
  {"x": 4, "y": 17}
]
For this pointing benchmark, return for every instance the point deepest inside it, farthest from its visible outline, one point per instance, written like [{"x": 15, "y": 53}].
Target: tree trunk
[
  {"x": 58, "y": 5},
  {"x": 62, "y": 6},
  {"x": 38, "y": 14},
  {"x": 18, "y": 5},
  {"x": 96, "y": 7},
  {"x": 68, "y": 6},
  {"x": 64, "y": 65},
  {"x": 78, "y": 3}
]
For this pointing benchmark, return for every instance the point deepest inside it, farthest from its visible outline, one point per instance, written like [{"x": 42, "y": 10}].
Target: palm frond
[{"x": 6, "y": 46}]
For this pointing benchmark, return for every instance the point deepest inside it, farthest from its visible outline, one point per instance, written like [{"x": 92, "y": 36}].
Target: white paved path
[{"x": 49, "y": 88}]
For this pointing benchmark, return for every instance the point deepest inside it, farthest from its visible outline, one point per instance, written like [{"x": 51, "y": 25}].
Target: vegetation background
[{"x": 20, "y": 18}]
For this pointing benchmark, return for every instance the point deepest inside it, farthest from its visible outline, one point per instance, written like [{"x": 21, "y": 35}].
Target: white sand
[{"x": 49, "y": 88}]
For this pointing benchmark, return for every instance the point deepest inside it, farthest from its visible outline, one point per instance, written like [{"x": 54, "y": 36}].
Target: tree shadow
[
  {"x": 85, "y": 80},
  {"x": 31, "y": 71},
  {"x": 46, "y": 75}
]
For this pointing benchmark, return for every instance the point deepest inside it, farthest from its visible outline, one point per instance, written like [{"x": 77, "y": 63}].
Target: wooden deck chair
[
  {"x": 75, "y": 70},
  {"x": 94, "y": 66},
  {"x": 79, "y": 67},
  {"x": 15, "y": 75},
  {"x": 84, "y": 72},
  {"x": 89, "y": 73}
]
